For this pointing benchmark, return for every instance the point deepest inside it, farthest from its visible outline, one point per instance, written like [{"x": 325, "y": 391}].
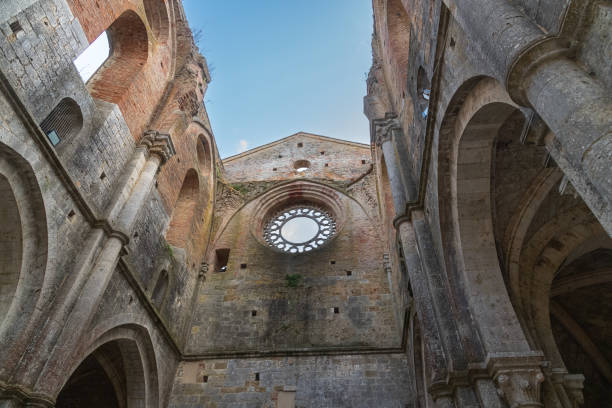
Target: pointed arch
[{"x": 184, "y": 210}]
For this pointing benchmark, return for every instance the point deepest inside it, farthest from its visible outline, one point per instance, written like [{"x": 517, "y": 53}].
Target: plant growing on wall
[{"x": 293, "y": 280}]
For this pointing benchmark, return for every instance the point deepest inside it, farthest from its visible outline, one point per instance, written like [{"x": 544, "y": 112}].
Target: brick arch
[
  {"x": 398, "y": 29},
  {"x": 157, "y": 17},
  {"x": 128, "y": 40},
  {"x": 466, "y": 151},
  {"x": 205, "y": 159},
  {"x": 184, "y": 211}
]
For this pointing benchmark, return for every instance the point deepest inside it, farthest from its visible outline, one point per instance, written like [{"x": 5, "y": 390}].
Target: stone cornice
[{"x": 159, "y": 144}]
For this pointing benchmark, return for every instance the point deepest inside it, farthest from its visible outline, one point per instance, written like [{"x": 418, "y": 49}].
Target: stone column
[
  {"x": 384, "y": 132},
  {"x": 538, "y": 74},
  {"x": 95, "y": 268}
]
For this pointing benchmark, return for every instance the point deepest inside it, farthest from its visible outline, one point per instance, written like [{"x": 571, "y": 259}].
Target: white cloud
[{"x": 244, "y": 146}]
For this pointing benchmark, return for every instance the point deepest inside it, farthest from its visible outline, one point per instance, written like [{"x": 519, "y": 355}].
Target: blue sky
[{"x": 283, "y": 66}]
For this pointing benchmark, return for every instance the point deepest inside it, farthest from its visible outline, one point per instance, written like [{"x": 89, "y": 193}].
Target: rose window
[{"x": 299, "y": 229}]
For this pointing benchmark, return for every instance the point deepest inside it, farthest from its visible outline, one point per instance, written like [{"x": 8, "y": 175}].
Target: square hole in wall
[
  {"x": 205, "y": 379},
  {"x": 253, "y": 313},
  {"x": 280, "y": 156},
  {"x": 71, "y": 214},
  {"x": 336, "y": 310},
  {"x": 322, "y": 153},
  {"x": 300, "y": 144},
  {"x": 221, "y": 259},
  {"x": 363, "y": 162},
  {"x": 243, "y": 266},
  {"x": 326, "y": 164},
  {"x": 256, "y": 376},
  {"x": 16, "y": 27},
  {"x": 349, "y": 273},
  {"x": 332, "y": 262},
  {"x": 274, "y": 169}
]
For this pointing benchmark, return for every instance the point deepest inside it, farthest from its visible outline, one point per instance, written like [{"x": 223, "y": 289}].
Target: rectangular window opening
[
  {"x": 363, "y": 162},
  {"x": 300, "y": 144},
  {"x": 222, "y": 258},
  {"x": 253, "y": 313},
  {"x": 16, "y": 27},
  {"x": 256, "y": 376},
  {"x": 336, "y": 310},
  {"x": 243, "y": 266},
  {"x": 349, "y": 273}
]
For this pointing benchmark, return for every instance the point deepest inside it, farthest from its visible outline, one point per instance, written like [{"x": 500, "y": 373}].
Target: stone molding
[
  {"x": 158, "y": 143},
  {"x": 24, "y": 397},
  {"x": 539, "y": 52},
  {"x": 518, "y": 377}
]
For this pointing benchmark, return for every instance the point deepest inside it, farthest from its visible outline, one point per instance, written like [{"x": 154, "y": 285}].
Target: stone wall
[{"x": 322, "y": 382}]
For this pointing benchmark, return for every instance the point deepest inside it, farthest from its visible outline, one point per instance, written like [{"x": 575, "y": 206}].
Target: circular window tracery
[{"x": 299, "y": 229}]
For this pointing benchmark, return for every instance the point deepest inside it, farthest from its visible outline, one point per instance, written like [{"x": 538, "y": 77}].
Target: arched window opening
[
  {"x": 423, "y": 91},
  {"x": 184, "y": 211},
  {"x": 64, "y": 121},
  {"x": 301, "y": 165},
  {"x": 93, "y": 57},
  {"x": 398, "y": 23},
  {"x": 160, "y": 290},
  {"x": 203, "y": 152},
  {"x": 10, "y": 246},
  {"x": 128, "y": 41}
]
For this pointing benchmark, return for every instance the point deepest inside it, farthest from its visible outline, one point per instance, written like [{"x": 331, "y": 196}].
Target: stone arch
[
  {"x": 157, "y": 17},
  {"x": 23, "y": 245},
  {"x": 63, "y": 122},
  {"x": 125, "y": 355},
  {"x": 466, "y": 152},
  {"x": 129, "y": 49},
  {"x": 184, "y": 210}
]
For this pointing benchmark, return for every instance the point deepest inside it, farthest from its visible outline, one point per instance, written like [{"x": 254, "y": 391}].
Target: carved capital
[
  {"x": 384, "y": 128},
  {"x": 159, "y": 144},
  {"x": 529, "y": 60},
  {"x": 518, "y": 378},
  {"x": 203, "y": 271}
]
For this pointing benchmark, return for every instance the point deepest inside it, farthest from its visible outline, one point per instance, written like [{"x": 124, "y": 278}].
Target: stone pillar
[
  {"x": 384, "y": 132},
  {"x": 538, "y": 74},
  {"x": 94, "y": 270}
]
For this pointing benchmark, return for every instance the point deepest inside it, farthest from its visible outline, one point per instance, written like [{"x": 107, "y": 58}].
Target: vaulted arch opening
[
  {"x": 63, "y": 122},
  {"x": 128, "y": 40},
  {"x": 398, "y": 26},
  {"x": 157, "y": 16},
  {"x": 112, "y": 376},
  {"x": 184, "y": 211}
]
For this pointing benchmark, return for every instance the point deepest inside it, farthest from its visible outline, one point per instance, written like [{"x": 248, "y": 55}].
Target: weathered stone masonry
[{"x": 468, "y": 255}]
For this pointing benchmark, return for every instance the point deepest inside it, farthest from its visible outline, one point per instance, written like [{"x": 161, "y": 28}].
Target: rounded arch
[
  {"x": 125, "y": 355},
  {"x": 23, "y": 244},
  {"x": 465, "y": 156},
  {"x": 161, "y": 288},
  {"x": 157, "y": 17},
  {"x": 184, "y": 210},
  {"x": 129, "y": 51}
]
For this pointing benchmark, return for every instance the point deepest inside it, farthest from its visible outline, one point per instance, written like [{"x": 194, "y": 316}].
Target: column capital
[
  {"x": 384, "y": 128},
  {"x": 518, "y": 377},
  {"x": 158, "y": 143},
  {"x": 538, "y": 52}
]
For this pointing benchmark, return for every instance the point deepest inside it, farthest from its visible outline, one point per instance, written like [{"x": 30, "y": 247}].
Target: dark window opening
[
  {"x": 64, "y": 121},
  {"x": 253, "y": 313},
  {"x": 349, "y": 273},
  {"x": 332, "y": 262},
  {"x": 16, "y": 27},
  {"x": 363, "y": 162},
  {"x": 222, "y": 259},
  {"x": 274, "y": 169},
  {"x": 322, "y": 153},
  {"x": 243, "y": 266},
  {"x": 256, "y": 376},
  {"x": 336, "y": 310},
  {"x": 300, "y": 144},
  {"x": 205, "y": 379}
]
